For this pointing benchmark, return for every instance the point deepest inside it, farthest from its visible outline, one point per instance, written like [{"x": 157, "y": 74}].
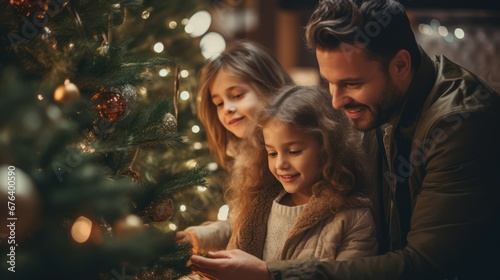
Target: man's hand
[{"x": 231, "y": 264}]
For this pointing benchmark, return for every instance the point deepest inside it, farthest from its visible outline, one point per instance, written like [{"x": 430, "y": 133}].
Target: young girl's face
[
  {"x": 236, "y": 102},
  {"x": 293, "y": 158}
]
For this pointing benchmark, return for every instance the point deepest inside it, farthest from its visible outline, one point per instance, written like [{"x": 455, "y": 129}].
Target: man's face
[{"x": 359, "y": 87}]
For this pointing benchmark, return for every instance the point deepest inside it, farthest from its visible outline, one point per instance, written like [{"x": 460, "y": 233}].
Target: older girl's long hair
[
  {"x": 249, "y": 62},
  {"x": 342, "y": 162}
]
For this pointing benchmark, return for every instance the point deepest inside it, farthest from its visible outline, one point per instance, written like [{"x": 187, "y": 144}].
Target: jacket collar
[{"x": 420, "y": 87}]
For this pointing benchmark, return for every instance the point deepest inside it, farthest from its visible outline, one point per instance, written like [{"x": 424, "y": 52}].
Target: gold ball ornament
[
  {"x": 67, "y": 93},
  {"x": 170, "y": 122},
  {"x": 128, "y": 225},
  {"x": 20, "y": 198},
  {"x": 30, "y": 8},
  {"x": 109, "y": 104},
  {"x": 161, "y": 209}
]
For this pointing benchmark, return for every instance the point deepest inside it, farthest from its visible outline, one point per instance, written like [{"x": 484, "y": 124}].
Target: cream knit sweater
[{"x": 281, "y": 220}]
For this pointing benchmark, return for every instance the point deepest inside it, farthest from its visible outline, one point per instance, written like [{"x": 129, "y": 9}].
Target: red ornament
[
  {"x": 29, "y": 8},
  {"x": 110, "y": 105},
  {"x": 161, "y": 209}
]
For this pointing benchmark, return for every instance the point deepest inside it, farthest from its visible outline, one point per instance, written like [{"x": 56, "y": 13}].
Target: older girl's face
[{"x": 236, "y": 101}]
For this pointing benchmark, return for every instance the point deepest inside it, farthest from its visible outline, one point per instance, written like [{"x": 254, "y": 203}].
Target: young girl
[
  {"x": 232, "y": 86},
  {"x": 293, "y": 189}
]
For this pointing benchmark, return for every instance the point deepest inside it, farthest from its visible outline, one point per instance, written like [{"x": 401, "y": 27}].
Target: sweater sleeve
[{"x": 212, "y": 236}]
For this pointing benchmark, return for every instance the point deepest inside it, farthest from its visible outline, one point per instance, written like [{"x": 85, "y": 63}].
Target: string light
[
  {"x": 443, "y": 31},
  {"x": 435, "y": 23},
  {"x": 142, "y": 90},
  {"x": 212, "y": 45},
  {"x": 184, "y": 21},
  {"x": 158, "y": 47},
  {"x": 172, "y": 226},
  {"x": 145, "y": 14},
  {"x": 212, "y": 166},
  {"x": 198, "y": 24},
  {"x": 223, "y": 213},
  {"x": 172, "y": 24},
  {"x": 197, "y": 145},
  {"x": 201, "y": 188},
  {"x": 184, "y": 73},
  {"x": 182, "y": 208},
  {"x": 184, "y": 95},
  {"x": 40, "y": 97},
  {"x": 191, "y": 163},
  {"x": 459, "y": 33},
  {"x": 163, "y": 72},
  {"x": 195, "y": 129}
]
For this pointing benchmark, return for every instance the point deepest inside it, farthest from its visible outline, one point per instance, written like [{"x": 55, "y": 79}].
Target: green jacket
[{"x": 446, "y": 173}]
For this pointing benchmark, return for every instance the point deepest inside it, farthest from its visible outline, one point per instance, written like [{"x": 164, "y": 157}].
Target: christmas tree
[{"x": 94, "y": 154}]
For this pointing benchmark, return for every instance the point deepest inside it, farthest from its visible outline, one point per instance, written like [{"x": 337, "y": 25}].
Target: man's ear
[{"x": 400, "y": 66}]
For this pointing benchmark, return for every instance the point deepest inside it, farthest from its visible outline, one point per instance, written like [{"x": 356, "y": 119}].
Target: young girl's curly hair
[{"x": 342, "y": 161}]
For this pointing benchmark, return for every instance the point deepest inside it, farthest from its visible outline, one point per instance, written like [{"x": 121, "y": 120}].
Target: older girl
[{"x": 232, "y": 86}]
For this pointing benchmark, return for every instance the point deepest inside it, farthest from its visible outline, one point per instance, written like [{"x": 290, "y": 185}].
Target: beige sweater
[
  {"x": 317, "y": 232},
  {"x": 281, "y": 220}
]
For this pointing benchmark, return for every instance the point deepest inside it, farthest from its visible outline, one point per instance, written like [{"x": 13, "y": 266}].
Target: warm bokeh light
[
  {"x": 191, "y": 163},
  {"x": 172, "y": 226},
  {"x": 212, "y": 45},
  {"x": 163, "y": 72},
  {"x": 459, "y": 33},
  {"x": 443, "y": 31},
  {"x": 197, "y": 145},
  {"x": 223, "y": 213},
  {"x": 80, "y": 231},
  {"x": 184, "y": 95},
  {"x": 172, "y": 24},
  {"x": 195, "y": 129},
  {"x": 184, "y": 73},
  {"x": 212, "y": 166},
  {"x": 158, "y": 47},
  {"x": 198, "y": 24}
]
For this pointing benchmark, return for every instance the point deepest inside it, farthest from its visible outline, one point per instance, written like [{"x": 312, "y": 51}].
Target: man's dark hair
[{"x": 381, "y": 26}]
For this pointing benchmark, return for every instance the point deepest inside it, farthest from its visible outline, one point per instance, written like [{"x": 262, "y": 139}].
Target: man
[{"x": 432, "y": 130}]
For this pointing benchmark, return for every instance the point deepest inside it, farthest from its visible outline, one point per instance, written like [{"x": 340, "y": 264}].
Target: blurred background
[
  {"x": 467, "y": 32},
  {"x": 99, "y": 121}
]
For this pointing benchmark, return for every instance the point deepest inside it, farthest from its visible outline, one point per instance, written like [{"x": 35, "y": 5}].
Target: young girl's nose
[
  {"x": 229, "y": 108},
  {"x": 281, "y": 163}
]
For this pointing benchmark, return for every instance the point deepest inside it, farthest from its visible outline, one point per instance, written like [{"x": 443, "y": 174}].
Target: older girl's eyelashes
[{"x": 219, "y": 103}]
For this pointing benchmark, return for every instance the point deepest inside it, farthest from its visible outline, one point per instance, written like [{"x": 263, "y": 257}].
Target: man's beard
[{"x": 383, "y": 112}]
